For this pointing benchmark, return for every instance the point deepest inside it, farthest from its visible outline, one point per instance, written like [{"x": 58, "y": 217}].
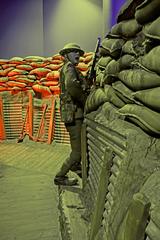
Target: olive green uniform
[{"x": 73, "y": 83}]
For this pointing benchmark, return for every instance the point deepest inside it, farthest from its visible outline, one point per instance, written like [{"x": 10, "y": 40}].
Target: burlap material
[
  {"x": 128, "y": 9},
  {"x": 113, "y": 46},
  {"x": 147, "y": 11},
  {"x": 144, "y": 117},
  {"x": 127, "y": 29},
  {"x": 152, "y": 30},
  {"x": 149, "y": 97},
  {"x": 139, "y": 79}
]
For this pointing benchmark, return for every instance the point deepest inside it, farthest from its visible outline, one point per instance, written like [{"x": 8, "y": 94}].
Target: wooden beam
[{"x": 51, "y": 122}]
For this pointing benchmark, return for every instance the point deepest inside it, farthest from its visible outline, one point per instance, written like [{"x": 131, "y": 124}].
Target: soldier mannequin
[{"x": 73, "y": 86}]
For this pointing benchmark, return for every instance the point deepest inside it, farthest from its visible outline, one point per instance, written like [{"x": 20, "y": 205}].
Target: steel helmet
[{"x": 69, "y": 47}]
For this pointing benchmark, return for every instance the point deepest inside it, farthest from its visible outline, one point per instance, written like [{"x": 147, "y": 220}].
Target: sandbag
[
  {"x": 151, "y": 60},
  {"x": 53, "y": 75},
  {"x": 16, "y": 60},
  {"x": 149, "y": 97},
  {"x": 6, "y": 71},
  {"x": 125, "y": 62},
  {"x": 55, "y": 90},
  {"x": 57, "y": 57},
  {"x": 41, "y": 89},
  {"x": 82, "y": 66},
  {"x": 34, "y": 59},
  {"x": 17, "y": 72},
  {"x": 124, "y": 93},
  {"x": 153, "y": 29},
  {"x": 24, "y": 67},
  {"x": 128, "y": 9},
  {"x": 49, "y": 83},
  {"x": 16, "y": 84},
  {"x": 113, "y": 46},
  {"x": 40, "y": 72},
  {"x": 4, "y": 66},
  {"x": 3, "y": 79},
  {"x": 112, "y": 97},
  {"x": 127, "y": 29},
  {"x": 88, "y": 58},
  {"x": 95, "y": 99},
  {"x": 103, "y": 62},
  {"x": 128, "y": 48},
  {"x": 3, "y": 61},
  {"x": 144, "y": 117},
  {"x": 54, "y": 66},
  {"x": 147, "y": 11},
  {"x": 38, "y": 64},
  {"x": 139, "y": 79},
  {"x": 99, "y": 79}
]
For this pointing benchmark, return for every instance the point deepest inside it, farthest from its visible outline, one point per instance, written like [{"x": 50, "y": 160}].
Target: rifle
[{"x": 92, "y": 73}]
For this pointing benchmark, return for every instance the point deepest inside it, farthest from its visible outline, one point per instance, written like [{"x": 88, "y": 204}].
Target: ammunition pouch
[{"x": 67, "y": 108}]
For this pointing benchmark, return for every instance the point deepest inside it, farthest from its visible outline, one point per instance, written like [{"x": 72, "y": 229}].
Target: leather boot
[{"x": 58, "y": 180}]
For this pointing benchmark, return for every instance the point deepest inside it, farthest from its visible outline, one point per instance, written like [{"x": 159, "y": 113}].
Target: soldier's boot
[
  {"x": 76, "y": 168},
  {"x": 64, "y": 180}
]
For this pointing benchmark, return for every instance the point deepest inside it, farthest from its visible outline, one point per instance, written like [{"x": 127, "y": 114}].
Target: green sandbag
[
  {"x": 128, "y": 48},
  {"x": 152, "y": 30},
  {"x": 103, "y": 62},
  {"x": 144, "y": 117},
  {"x": 112, "y": 68},
  {"x": 151, "y": 60},
  {"x": 125, "y": 61},
  {"x": 96, "y": 98},
  {"x": 139, "y": 79},
  {"x": 128, "y": 9},
  {"x": 113, "y": 46},
  {"x": 112, "y": 97},
  {"x": 147, "y": 11},
  {"x": 124, "y": 93},
  {"x": 149, "y": 97},
  {"x": 127, "y": 29}
]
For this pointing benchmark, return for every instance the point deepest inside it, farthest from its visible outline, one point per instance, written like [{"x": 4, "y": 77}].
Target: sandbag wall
[
  {"x": 39, "y": 76},
  {"x": 125, "y": 102}
]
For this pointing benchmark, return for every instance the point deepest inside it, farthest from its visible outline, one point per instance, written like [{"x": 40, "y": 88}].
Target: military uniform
[{"x": 72, "y": 85}]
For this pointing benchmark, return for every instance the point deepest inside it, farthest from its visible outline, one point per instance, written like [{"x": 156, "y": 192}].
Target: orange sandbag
[
  {"x": 57, "y": 57},
  {"x": 57, "y": 61},
  {"x": 41, "y": 89},
  {"x": 54, "y": 66},
  {"x": 88, "y": 54},
  {"x": 3, "y": 79},
  {"x": 3, "y": 61},
  {"x": 14, "y": 78},
  {"x": 24, "y": 67},
  {"x": 55, "y": 90},
  {"x": 16, "y": 84},
  {"x": 16, "y": 60},
  {"x": 40, "y": 72},
  {"x": 6, "y": 71},
  {"x": 53, "y": 75},
  {"x": 88, "y": 58},
  {"x": 38, "y": 64},
  {"x": 4, "y": 89},
  {"x": 34, "y": 59},
  {"x": 17, "y": 72},
  {"x": 49, "y": 83},
  {"x": 4, "y": 66},
  {"x": 82, "y": 66}
]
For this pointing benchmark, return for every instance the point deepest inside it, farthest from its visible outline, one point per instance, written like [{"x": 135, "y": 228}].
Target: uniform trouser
[{"x": 75, "y": 155}]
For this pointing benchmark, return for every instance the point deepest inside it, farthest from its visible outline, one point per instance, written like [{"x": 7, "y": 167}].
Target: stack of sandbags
[
  {"x": 143, "y": 79},
  {"x": 36, "y": 73}
]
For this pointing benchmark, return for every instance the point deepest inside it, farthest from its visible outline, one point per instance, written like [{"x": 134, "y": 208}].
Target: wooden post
[
  {"x": 2, "y": 127},
  {"x": 30, "y": 115},
  {"x": 135, "y": 221},
  {"x": 51, "y": 122},
  {"x": 102, "y": 191},
  {"x": 84, "y": 154}
]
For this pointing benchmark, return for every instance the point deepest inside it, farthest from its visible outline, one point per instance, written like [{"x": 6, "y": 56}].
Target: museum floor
[{"x": 28, "y": 197}]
